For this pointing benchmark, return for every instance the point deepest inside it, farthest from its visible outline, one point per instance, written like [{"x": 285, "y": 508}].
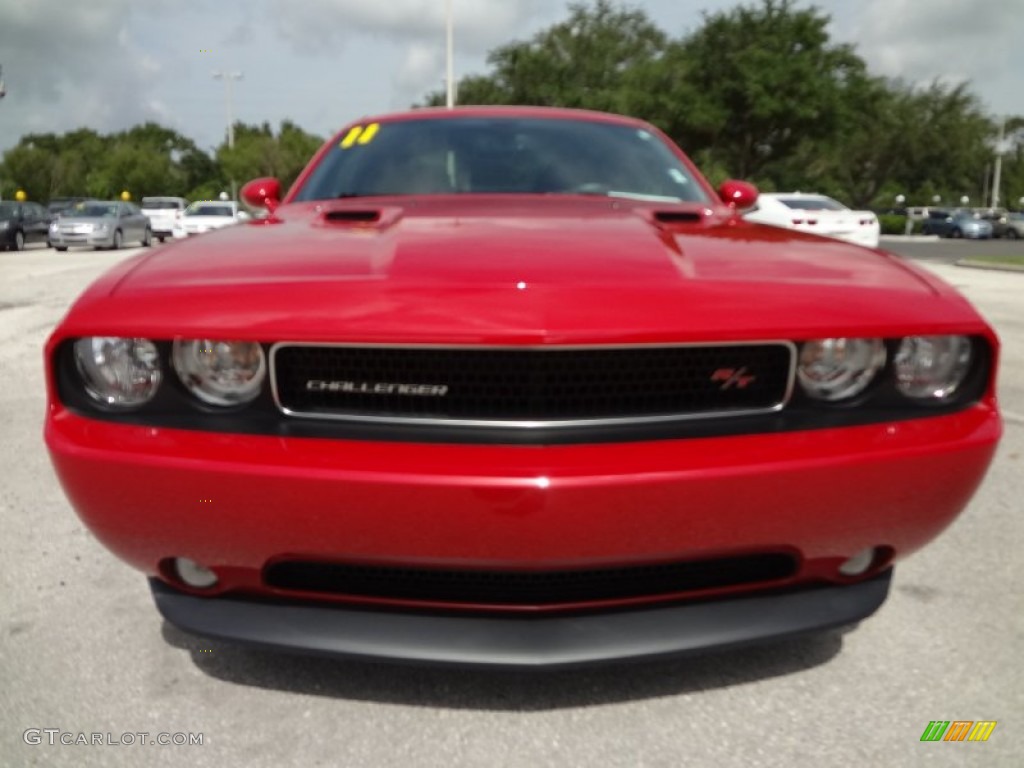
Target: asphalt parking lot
[{"x": 83, "y": 650}]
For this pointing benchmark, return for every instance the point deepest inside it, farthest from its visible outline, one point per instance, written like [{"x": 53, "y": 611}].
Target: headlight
[
  {"x": 837, "y": 369},
  {"x": 53, "y": 225},
  {"x": 220, "y": 372},
  {"x": 4, "y": 224},
  {"x": 119, "y": 373},
  {"x": 932, "y": 367}
]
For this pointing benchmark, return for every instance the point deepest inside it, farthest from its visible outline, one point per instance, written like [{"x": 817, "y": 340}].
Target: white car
[
  {"x": 205, "y": 215},
  {"x": 816, "y": 214}
]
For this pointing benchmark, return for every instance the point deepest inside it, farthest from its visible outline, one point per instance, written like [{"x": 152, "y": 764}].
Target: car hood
[{"x": 547, "y": 271}]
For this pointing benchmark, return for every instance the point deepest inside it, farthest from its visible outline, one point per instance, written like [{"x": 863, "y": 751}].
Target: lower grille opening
[{"x": 492, "y": 587}]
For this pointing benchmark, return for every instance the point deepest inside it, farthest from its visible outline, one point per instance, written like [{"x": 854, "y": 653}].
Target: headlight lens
[
  {"x": 838, "y": 369},
  {"x": 932, "y": 367},
  {"x": 118, "y": 372},
  {"x": 220, "y": 372}
]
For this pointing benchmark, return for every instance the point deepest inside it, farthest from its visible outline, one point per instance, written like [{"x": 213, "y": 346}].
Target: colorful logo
[{"x": 959, "y": 730}]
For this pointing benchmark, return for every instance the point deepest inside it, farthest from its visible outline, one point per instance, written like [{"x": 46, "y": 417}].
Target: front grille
[
  {"x": 525, "y": 588},
  {"x": 546, "y": 387}
]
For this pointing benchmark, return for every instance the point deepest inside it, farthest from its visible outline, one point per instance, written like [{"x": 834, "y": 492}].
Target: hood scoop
[
  {"x": 372, "y": 217},
  {"x": 673, "y": 218},
  {"x": 363, "y": 216}
]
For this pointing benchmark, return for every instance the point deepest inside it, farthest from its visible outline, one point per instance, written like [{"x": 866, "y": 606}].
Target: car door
[
  {"x": 939, "y": 223},
  {"x": 135, "y": 218},
  {"x": 129, "y": 226},
  {"x": 37, "y": 222},
  {"x": 141, "y": 220}
]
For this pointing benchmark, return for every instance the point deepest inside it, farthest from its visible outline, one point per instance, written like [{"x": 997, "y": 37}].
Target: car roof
[{"x": 550, "y": 113}]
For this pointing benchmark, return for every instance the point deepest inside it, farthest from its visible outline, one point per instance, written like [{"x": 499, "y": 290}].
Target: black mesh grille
[
  {"x": 513, "y": 385},
  {"x": 511, "y": 588}
]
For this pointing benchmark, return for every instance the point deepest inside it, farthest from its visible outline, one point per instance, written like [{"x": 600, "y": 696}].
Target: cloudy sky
[{"x": 109, "y": 64}]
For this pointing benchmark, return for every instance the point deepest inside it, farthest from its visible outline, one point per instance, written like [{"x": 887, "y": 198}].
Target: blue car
[{"x": 956, "y": 224}]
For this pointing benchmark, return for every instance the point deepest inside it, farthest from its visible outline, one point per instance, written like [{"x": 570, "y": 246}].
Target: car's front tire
[
  {"x": 956, "y": 234},
  {"x": 19, "y": 241},
  {"x": 1011, "y": 234},
  {"x": 115, "y": 244},
  {"x": 147, "y": 238},
  {"x": 60, "y": 248}
]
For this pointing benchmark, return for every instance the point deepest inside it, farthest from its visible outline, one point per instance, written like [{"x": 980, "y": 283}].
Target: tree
[
  {"x": 258, "y": 152},
  {"x": 147, "y": 159},
  {"x": 772, "y": 81}
]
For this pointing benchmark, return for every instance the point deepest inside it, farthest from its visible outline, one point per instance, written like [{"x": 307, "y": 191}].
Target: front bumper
[
  {"x": 236, "y": 502},
  {"x": 91, "y": 239},
  {"x": 556, "y": 641}
]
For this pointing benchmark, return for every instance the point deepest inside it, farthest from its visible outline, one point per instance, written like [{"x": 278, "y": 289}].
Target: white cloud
[
  {"x": 479, "y": 24},
  {"x": 951, "y": 41},
  {"x": 72, "y": 64}
]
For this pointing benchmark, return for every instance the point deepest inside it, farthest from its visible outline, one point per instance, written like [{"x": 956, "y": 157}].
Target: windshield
[
  {"x": 503, "y": 155},
  {"x": 94, "y": 210},
  {"x": 210, "y": 210},
  {"x": 153, "y": 203}
]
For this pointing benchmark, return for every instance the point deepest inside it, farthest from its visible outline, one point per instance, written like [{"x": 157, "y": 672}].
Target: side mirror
[
  {"x": 738, "y": 194},
  {"x": 262, "y": 193}
]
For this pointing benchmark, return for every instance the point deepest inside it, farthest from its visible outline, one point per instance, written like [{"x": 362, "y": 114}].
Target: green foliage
[
  {"x": 258, "y": 152},
  {"x": 892, "y": 223},
  {"x": 772, "y": 81},
  {"x": 150, "y": 159}
]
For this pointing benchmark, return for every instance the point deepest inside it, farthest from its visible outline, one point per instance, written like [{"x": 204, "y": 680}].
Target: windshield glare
[
  {"x": 95, "y": 210},
  {"x": 210, "y": 210},
  {"x": 501, "y": 155}
]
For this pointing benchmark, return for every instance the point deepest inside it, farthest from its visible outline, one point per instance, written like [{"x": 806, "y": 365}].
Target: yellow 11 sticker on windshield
[{"x": 360, "y": 134}]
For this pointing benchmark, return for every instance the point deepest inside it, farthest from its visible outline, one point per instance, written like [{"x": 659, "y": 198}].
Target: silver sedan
[{"x": 100, "y": 224}]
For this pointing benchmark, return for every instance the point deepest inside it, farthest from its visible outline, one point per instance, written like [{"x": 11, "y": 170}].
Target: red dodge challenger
[{"x": 516, "y": 387}]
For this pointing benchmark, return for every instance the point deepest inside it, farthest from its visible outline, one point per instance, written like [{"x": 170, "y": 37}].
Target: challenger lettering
[{"x": 377, "y": 388}]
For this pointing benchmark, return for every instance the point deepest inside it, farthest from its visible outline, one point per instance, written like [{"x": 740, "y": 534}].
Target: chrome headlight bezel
[
  {"x": 218, "y": 372},
  {"x": 118, "y": 373},
  {"x": 943, "y": 363},
  {"x": 839, "y": 369}
]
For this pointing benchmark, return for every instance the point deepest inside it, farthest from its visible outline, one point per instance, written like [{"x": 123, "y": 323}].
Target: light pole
[
  {"x": 227, "y": 77},
  {"x": 997, "y": 173},
  {"x": 449, "y": 52}
]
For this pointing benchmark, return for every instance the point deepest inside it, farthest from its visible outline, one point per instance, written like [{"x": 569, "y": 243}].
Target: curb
[
  {"x": 910, "y": 238},
  {"x": 972, "y": 264}
]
